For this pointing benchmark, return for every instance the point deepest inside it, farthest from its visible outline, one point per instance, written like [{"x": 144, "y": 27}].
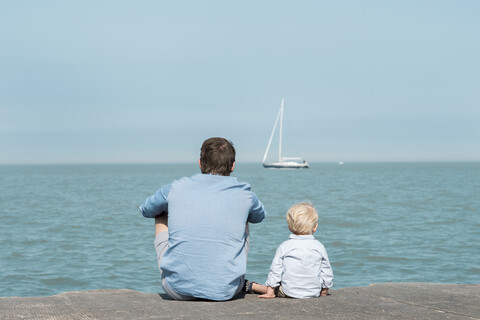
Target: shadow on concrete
[{"x": 165, "y": 296}]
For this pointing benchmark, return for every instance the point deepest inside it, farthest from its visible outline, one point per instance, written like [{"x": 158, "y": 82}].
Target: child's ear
[{"x": 315, "y": 229}]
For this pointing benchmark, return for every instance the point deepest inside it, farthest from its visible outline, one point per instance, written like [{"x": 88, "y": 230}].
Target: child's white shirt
[{"x": 301, "y": 266}]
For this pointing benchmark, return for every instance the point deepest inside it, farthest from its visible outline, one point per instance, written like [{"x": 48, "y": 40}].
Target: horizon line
[{"x": 238, "y": 163}]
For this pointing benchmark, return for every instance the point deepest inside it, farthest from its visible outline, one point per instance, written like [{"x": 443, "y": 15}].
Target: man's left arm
[{"x": 257, "y": 211}]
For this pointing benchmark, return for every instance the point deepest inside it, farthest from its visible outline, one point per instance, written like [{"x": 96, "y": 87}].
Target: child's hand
[
  {"x": 324, "y": 292},
  {"x": 269, "y": 295}
]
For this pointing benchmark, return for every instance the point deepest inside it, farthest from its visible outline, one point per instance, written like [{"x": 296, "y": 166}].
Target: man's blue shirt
[{"x": 207, "y": 216}]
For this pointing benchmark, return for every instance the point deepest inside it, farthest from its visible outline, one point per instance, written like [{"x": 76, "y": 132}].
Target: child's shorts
[{"x": 279, "y": 292}]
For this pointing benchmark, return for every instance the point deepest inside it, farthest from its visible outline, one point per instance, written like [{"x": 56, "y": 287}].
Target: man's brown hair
[{"x": 217, "y": 156}]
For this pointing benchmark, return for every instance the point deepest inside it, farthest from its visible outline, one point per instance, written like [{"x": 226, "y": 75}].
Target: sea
[{"x": 78, "y": 227}]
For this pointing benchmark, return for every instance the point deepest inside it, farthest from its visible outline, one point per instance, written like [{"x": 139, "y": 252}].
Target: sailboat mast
[
  {"x": 280, "y": 139},
  {"x": 271, "y": 136}
]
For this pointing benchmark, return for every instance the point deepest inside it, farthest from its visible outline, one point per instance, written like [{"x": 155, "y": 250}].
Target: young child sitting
[{"x": 301, "y": 268}]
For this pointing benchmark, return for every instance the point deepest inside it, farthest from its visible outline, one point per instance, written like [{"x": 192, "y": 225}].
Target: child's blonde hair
[{"x": 302, "y": 218}]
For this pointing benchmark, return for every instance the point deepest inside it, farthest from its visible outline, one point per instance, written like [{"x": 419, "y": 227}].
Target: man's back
[{"x": 206, "y": 221}]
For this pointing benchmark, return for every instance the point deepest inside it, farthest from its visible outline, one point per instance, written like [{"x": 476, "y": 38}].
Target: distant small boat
[
  {"x": 283, "y": 162},
  {"x": 341, "y": 162}
]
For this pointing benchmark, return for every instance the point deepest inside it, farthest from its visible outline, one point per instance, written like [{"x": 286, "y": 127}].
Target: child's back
[{"x": 302, "y": 267}]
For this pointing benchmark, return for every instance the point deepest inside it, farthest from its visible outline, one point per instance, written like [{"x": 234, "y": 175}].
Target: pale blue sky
[{"x": 148, "y": 81}]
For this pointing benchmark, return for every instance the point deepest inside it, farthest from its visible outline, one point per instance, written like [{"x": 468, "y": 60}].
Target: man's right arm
[{"x": 156, "y": 203}]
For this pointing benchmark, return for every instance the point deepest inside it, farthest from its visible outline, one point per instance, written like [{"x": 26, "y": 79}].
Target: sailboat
[{"x": 283, "y": 162}]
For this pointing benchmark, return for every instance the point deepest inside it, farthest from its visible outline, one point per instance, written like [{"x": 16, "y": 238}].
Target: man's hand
[{"x": 269, "y": 295}]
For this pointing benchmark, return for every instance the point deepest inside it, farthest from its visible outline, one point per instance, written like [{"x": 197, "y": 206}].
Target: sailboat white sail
[{"x": 283, "y": 162}]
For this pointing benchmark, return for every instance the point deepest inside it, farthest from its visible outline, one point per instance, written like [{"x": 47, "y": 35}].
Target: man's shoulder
[
  {"x": 195, "y": 177},
  {"x": 244, "y": 186},
  {"x": 233, "y": 182},
  {"x": 199, "y": 178},
  {"x": 241, "y": 184},
  {"x": 179, "y": 183}
]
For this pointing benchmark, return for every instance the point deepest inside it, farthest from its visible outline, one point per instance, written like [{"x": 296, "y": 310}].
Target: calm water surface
[{"x": 77, "y": 227}]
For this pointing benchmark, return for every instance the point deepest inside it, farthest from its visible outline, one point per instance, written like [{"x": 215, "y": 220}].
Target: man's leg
[
  {"x": 161, "y": 236},
  {"x": 161, "y": 245},
  {"x": 174, "y": 295},
  {"x": 161, "y": 223},
  {"x": 246, "y": 249},
  {"x": 247, "y": 241}
]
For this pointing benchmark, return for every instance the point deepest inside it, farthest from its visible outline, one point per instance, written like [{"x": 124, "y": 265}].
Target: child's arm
[
  {"x": 276, "y": 269},
  {"x": 326, "y": 273},
  {"x": 270, "y": 293},
  {"x": 275, "y": 275}
]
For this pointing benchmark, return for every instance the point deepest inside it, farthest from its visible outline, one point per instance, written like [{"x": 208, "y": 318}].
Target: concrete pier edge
[{"x": 376, "y": 301}]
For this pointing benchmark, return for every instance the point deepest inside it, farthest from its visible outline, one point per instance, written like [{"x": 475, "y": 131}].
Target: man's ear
[
  {"x": 199, "y": 164},
  {"x": 233, "y": 166}
]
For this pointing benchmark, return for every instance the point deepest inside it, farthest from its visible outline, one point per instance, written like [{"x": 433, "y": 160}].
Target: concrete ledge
[{"x": 377, "y": 301}]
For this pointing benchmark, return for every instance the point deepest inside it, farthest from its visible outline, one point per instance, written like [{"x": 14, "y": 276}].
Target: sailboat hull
[{"x": 286, "y": 165}]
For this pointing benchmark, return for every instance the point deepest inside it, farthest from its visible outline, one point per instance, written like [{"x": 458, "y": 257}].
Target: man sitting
[{"x": 201, "y": 233}]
